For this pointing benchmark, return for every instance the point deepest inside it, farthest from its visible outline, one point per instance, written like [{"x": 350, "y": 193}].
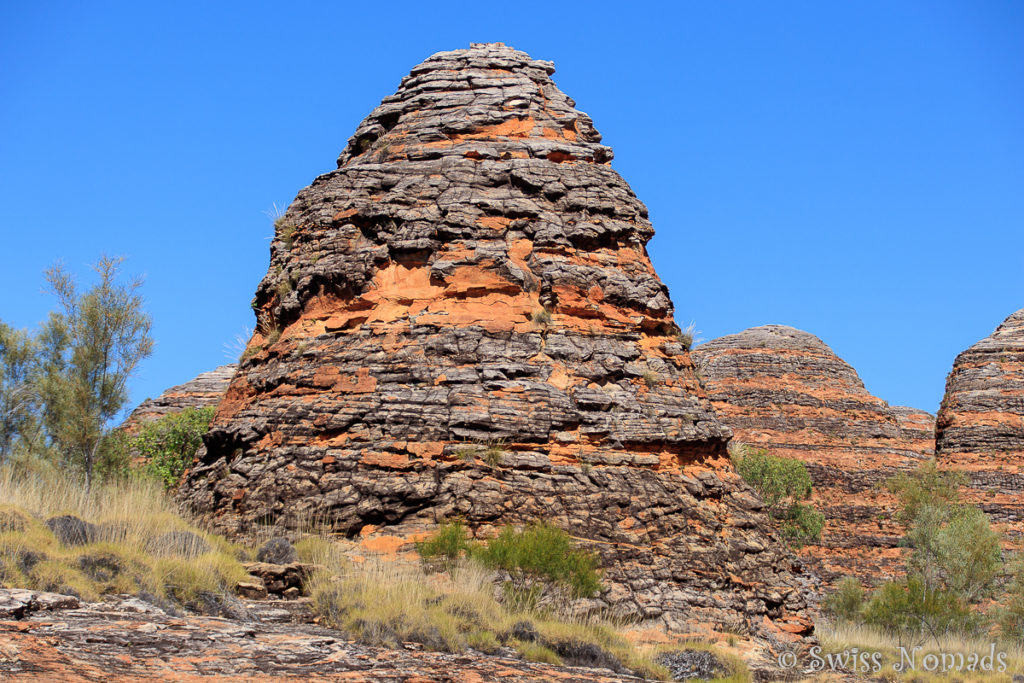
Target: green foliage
[
  {"x": 169, "y": 444},
  {"x": 955, "y": 548},
  {"x": 846, "y": 603},
  {"x": 802, "y": 523},
  {"x": 19, "y": 401},
  {"x": 780, "y": 481},
  {"x": 925, "y": 486},
  {"x": 782, "y": 484},
  {"x": 450, "y": 541},
  {"x": 89, "y": 350},
  {"x": 539, "y": 549},
  {"x": 908, "y": 609},
  {"x": 285, "y": 231},
  {"x": 544, "y": 550},
  {"x": 1010, "y": 615}
]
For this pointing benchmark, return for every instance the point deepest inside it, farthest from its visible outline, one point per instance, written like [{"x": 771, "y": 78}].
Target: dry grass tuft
[
  {"x": 138, "y": 542},
  {"x": 836, "y": 638}
]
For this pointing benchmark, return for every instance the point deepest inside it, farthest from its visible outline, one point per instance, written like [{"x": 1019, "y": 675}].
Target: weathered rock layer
[
  {"x": 462, "y": 321},
  {"x": 206, "y": 390},
  {"x": 980, "y": 428},
  {"x": 785, "y": 390}
]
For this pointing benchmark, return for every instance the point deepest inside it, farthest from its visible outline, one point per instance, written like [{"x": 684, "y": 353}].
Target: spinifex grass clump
[
  {"x": 387, "y": 603},
  {"x": 134, "y": 541}
]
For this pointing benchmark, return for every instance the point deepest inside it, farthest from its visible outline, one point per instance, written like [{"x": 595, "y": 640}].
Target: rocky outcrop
[
  {"x": 204, "y": 391},
  {"x": 126, "y": 639},
  {"x": 785, "y": 390},
  {"x": 980, "y": 428},
  {"x": 462, "y": 321}
]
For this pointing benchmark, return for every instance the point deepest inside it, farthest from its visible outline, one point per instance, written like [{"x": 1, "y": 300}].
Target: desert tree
[
  {"x": 19, "y": 401},
  {"x": 90, "y": 348}
]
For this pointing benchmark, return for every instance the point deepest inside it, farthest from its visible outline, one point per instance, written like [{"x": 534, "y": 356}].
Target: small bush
[
  {"x": 926, "y": 486},
  {"x": 778, "y": 480},
  {"x": 651, "y": 379},
  {"x": 450, "y": 541},
  {"x": 541, "y": 317},
  {"x": 493, "y": 455},
  {"x": 285, "y": 231},
  {"x": 686, "y": 337},
  {"x": 846, "y": 603},
  {"x": 543, "y": 550},
  {"x": 802, "y": 523},
  {"x": 165, "y": 447},
  {"x": 910, "y": 611}
]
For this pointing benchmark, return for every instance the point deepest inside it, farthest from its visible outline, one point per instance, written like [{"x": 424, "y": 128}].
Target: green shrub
[
  {"x": 450, "y": 541},
  {"x": 909, "y": 610},
  {"x": 802, "y": 523},
  {"x": 778, "y": 480},
  {"x": 925, "y": 486},
  {"x": 846, "y": 603},
  {"x": 954, "y": 547},
  {"x": 543, "y": 550},
  {"x": 1010, "y": 615},
  {"x": 285, "y": 231},
  {"x": 166, "y": 446},
  {"x": 782, "y": 483}
]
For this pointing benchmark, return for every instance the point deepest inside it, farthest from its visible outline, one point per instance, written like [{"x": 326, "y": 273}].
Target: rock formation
[
  {"x": 47, "y": 637},
  {"x": 783, "y": 389},
  {"x": 980, "y": 428},
  {"x": 462, "y": 321},
  {"x": 205, "y": 390}
]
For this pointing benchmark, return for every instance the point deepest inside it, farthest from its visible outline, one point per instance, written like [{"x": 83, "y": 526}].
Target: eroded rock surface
[
  {"x": 462, "y": 321},
  {"x": 125, "y": 639},
  {"x": 204, "y": 391},
  {"x": 785, "y": 390},
  {"x": 980, "y": 428}
]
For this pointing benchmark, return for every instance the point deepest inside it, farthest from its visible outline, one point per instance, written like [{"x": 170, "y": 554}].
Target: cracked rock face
[
  {"x": 980, "y": 427},
  {"x": 462, "y": 321},
  {"x": 785, "y": 390},
  {"x": 207, "y": 389}
]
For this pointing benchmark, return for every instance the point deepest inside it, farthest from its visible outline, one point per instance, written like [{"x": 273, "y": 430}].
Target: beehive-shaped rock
[
  {"x": 980, "y": 428},
  {"x": 785, "y": 390},
  {"x": 204, "y": 391},
  {"x": 462, "y": 321}
]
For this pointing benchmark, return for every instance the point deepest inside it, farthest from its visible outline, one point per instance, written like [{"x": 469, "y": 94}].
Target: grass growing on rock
[
  {"x": 386, "y": 603},
  {"x": 459, "y": 598},
  {"x": 137, "y": 542}
]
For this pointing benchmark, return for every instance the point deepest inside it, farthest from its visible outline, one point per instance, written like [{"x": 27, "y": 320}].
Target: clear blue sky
[{"x": 853, "y": 169}]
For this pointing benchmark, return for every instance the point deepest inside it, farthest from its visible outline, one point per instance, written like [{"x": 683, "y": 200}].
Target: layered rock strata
[
  {"x": 462, "y": 321},
  {"x": 204, "y": 391},
  {"x": 127, "y": 640},
  {"x": 980, "y": 428},
  {"x": 785, "y": 390}
]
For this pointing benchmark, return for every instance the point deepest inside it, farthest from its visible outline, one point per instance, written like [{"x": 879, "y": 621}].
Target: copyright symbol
[{"x": 787, "y": 660}]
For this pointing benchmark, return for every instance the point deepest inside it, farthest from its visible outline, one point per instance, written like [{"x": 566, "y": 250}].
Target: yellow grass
[
  {"x": 837, "y": 638},
  {"x": 130, "y": 552}
]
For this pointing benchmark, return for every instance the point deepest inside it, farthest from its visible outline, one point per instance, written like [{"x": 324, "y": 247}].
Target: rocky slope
[
  {"x": 785, "y": 390},
  {"x": 47, "y": 637},
  {"x": 980, "y": 428},
  {"x": 462, "y": 321},
  {"x": 205, "y": 390}
]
